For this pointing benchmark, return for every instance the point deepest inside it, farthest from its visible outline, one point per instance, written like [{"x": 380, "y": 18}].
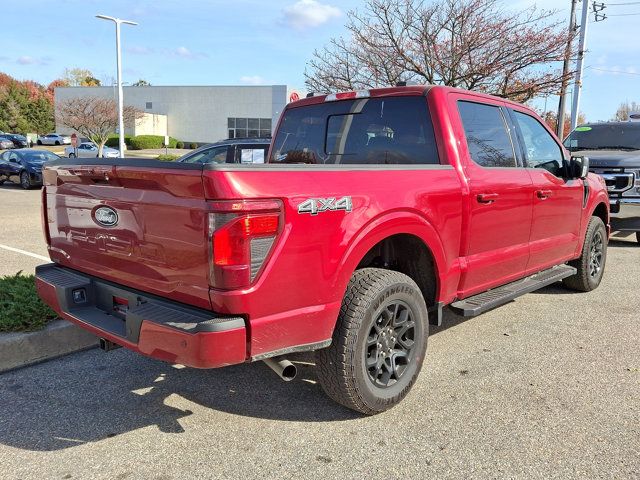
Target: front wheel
[
  {"x": 591, "y": 263},
  {"x": 638, "y": 237},
  {"x": 25, "y": 181},
  {"x": 57, "y": 142},
  {"x": 39, "y": 142},
  {"x": 72, "y": 155},
  {"x": 378, "y": 344}
]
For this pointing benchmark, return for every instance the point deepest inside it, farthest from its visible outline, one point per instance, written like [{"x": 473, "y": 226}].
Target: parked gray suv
[{"x": 613, "y": 149}]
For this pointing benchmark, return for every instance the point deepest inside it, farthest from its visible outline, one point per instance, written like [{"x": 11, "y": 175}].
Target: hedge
[
  {"x": 113, "y": 141},
  {"x": 21, "y": 310},
  {"x": 167, "y": 158},
  {"x": 143, "y": 142}
]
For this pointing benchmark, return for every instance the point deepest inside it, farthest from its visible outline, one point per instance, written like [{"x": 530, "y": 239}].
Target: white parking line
[{"x": 17, "y": 250}]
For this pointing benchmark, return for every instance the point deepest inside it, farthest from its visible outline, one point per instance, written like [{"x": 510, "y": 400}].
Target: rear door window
[
  {"x": 488, "y": 139},
  {"x": 396, "y": 130},
  {"x": 541, "y": 150}
]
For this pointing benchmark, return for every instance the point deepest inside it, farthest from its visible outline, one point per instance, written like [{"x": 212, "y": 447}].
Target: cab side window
[
  {"x": 541, "y": 150},
  {"x": 488, "y": 139}
]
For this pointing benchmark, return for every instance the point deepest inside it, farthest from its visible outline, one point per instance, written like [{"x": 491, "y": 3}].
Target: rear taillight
[{"x": 241, "y": 236}]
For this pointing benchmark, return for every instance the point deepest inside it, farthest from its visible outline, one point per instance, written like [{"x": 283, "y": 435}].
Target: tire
[
  {"x": 375, "y": 298},
  {"x": 57, "y": 142},
  {"x": 25, "y": 180},
  {"x": 72, "y": 155},
  {"x": 39, "y": 142},
  {"x": 2, "y": 182},
  {"x": 638, "y": 237},
  {"x": 591, "y": 263}
]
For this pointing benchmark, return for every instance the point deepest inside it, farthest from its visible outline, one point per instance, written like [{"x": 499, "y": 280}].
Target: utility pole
[
  {"x": 582, "y": 46},
  {"x": 562, "y": 106}
]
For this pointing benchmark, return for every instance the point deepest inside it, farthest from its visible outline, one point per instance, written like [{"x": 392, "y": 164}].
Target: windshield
[
  {"x": 605, "y": 136},
  {"x": 43, "y": 156},
  {"x": 386, "y": 130}
]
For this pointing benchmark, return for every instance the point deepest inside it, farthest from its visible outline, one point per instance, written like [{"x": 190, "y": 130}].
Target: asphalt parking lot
[{"x": 547, "y": 386}]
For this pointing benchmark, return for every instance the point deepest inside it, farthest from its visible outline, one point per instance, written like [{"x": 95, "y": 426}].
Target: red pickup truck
[{"x": 375, "y": 210}]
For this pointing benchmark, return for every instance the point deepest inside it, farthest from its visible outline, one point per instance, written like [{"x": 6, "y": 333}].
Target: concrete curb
[{"x": 56, "y": 339}]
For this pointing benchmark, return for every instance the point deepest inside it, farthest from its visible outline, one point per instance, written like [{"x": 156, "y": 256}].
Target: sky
[{"x": 245, "y": 42}]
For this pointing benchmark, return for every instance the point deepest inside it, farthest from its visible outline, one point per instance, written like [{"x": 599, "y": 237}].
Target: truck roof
[{"x": 410, "y": 90}]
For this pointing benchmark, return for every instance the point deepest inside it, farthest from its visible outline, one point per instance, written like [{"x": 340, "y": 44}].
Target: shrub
[
  {"x": 179, "y": 144},
  {"x": 142, "y": 142},
  {"x": 193, "y": 146},
  {"x": 113, "y": 141},
  {"x": 167, "y": 158},
  {"x": 21, "y": 310}
]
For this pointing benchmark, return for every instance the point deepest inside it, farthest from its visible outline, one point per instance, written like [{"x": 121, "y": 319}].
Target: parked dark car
[
  {"x": 18, "y": 141},
  {"x": 24, "y": 166},
  {"x": 613, "y": 149},
  {"x": 238, "y": 150}
]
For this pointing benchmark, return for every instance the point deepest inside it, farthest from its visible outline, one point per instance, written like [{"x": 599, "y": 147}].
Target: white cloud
[
  {"x": 184, "y": 52},
  {"x": 138, "y": 50},
  {"x": 309, "y": 14},
  {"x": 252, "y": 80},
  {"x": 28, "y": 60}
]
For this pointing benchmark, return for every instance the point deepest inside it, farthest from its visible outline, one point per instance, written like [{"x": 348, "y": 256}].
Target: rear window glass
[
  {"x": 363, "y": 131},
  {"x": 487, "y": 137}
]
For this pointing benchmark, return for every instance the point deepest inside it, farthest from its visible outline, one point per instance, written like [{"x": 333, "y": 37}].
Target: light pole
[{"x": 118, "y": 22}]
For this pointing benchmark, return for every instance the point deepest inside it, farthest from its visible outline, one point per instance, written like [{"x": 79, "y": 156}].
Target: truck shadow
[{"x": 91, "y": 396}]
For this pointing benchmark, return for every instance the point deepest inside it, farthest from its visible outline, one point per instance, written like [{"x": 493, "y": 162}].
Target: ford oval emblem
[{"x": 106, "y": 216}]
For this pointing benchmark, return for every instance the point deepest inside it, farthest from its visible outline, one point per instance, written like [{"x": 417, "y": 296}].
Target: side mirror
[{"x": 579, "y": 167}]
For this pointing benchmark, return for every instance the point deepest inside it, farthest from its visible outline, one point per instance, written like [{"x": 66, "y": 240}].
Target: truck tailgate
[{"x": 140, "y": 223}]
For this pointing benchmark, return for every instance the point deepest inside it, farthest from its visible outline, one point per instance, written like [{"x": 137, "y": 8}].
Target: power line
[
  {"x": 628, "y": 3},
  {"x": 614, "y": 71},
  {"x": 622, "y": 14}
]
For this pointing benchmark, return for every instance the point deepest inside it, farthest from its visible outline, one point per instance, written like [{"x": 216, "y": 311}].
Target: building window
[
  {"x": 249, "y": 127},
  {"x": 149, "y": 105}
]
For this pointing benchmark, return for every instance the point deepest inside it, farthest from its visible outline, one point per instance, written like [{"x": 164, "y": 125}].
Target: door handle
[
  {"x": 487, "y": 197},
  {"x": 543, "y": 194}
]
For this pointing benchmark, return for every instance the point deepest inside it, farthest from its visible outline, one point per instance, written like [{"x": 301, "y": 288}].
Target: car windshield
[
  {"x": 43, "y": 156},
  {"x": 384, "y": 130},
  {"x": 605, "y": 136}
]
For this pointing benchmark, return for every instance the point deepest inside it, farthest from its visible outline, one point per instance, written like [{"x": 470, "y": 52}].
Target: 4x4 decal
[{"x": 314, "y": 206}]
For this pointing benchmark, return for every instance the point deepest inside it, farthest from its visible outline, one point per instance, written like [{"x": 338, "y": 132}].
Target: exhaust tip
[
  {"x": 286, "y": 370},
  {"x": 289, "y": 372}
]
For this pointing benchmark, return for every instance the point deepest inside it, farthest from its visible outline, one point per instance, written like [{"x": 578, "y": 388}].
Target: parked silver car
[
  {"x": 54, "y": 139},
  {"x": 90, "y": 149}
]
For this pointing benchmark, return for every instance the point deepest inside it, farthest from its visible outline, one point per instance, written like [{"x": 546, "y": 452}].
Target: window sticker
[{"x": 583, "y": 129}]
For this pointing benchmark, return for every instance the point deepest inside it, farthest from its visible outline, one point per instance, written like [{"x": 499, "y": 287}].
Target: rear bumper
[
  {"x": 625, "y": 214},
  {"x": 143, "y": 323}
]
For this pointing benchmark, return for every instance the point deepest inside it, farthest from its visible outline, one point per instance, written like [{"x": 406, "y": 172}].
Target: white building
[{"x": 200, "y": 114}]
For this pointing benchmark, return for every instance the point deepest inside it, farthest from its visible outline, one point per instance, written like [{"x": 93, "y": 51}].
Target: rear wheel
[
  {"x": 592, "y": 261},
  {"x": 378, "y": 344},
  {"x": 57, "y": 142},
  {"x": 638, "y": 237},
  {"x": 39, "y": 142},
  {"x": 72, "y": 155},
  {"x": 25, "y": 180}
]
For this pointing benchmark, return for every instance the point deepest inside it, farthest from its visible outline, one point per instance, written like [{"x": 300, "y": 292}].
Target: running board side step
[{"x": 493, "y": 298}]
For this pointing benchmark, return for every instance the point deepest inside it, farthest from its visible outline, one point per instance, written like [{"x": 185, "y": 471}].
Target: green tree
[{"x": 80, "y": 77}]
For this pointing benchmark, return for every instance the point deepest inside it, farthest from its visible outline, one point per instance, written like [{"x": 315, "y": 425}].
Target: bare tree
[
  {"x": 625, "y": 108},
  {"x": 472, "y": 44},
  {"x": 93, "y": 117}
]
